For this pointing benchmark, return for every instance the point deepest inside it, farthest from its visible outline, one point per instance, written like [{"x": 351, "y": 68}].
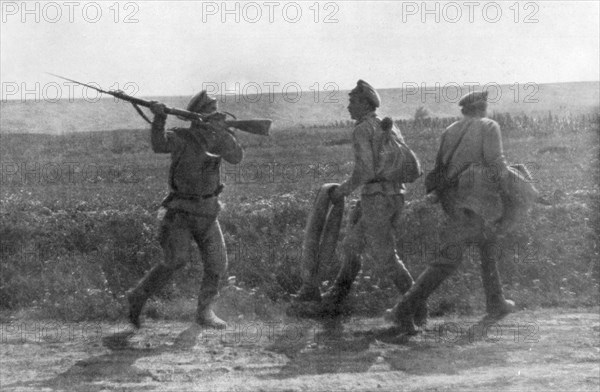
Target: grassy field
[
  {"x": 37, "y": 114},
  {"x": 78, "y": 223}
]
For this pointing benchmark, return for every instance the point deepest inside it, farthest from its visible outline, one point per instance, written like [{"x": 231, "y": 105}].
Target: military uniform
[
  {"x": 376, "y": 216},
  {"x": 190, "y": 211},
  {"x": 470, "y": 148}
]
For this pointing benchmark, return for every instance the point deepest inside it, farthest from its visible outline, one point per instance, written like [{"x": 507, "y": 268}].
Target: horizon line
[{"x": 105, "y": 96}]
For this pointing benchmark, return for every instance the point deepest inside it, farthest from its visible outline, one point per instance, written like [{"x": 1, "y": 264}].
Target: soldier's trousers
[
  {"x": 372, "y": 225},
  {"x": 177, "y": 231},
  {"x": 463, "y": 231}
]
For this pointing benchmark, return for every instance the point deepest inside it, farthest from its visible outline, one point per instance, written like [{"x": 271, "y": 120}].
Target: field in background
[
  {"x": 35, "y": 114},
  {"x": 78, "y": 220}
]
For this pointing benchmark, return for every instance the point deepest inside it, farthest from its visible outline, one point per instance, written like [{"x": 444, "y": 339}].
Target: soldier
[
  {"x": 467, "y": 147},
  {"x": 374, "y": 218},
  {"x": 190, "y": 210}
]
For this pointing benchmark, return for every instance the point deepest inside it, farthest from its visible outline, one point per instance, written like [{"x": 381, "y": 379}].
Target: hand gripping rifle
[{"x": 256, "y": 127}]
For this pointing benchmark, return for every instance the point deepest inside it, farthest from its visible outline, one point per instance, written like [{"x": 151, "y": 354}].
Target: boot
[
  {"x": 419, "y": 318},
  {"x": 426, "y": 284},
  {"x": 333, "y": 299},
  {"x": 207, "y": 318},
  {"x": 151, "y": 283},
  {"x": 497, "y": 307},
  {"x": 403, "y": 282},
  {"x": 335, "y": 296},
  {"x": 209, "y": 290},
  {"x": 310, "y": 304}
]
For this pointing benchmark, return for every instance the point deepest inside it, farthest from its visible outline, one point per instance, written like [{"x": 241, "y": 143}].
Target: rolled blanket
[{"x": 320, "y": 240}]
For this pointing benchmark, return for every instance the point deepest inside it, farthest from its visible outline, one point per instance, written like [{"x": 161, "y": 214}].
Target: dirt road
[{"x": 549, "y": 349}]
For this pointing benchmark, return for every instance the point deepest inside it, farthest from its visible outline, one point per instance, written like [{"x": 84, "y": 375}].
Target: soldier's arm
[
  {"x": 433, "y": 178},
  {"x": 493, "y": 154},
  {"x": 229, "y": 148},
  {"x": 364, "y": 169},
  {"x": 161, "y": 141},
  {"x": 222, "y": 142},
  {"x": 439, "y": 159}
]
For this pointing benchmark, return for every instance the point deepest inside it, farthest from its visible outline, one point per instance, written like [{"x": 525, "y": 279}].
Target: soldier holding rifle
[{"x": 190, "y": 211}]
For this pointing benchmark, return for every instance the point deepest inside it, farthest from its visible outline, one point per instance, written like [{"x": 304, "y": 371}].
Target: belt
[
  {"x": 216, "y": 193},
  {"x": 192, "y": 197},
  {"x": 385, "y": 187}
]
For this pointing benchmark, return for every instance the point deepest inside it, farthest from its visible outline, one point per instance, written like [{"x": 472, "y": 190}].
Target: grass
[{"x": 79, "y": 225}]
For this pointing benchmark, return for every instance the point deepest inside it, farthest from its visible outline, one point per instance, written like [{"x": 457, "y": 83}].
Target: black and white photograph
[{"x": 299, "y": 195}]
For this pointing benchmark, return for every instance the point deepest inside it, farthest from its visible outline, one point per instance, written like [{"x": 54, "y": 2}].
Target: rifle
[{"x": 256, "y": 127}]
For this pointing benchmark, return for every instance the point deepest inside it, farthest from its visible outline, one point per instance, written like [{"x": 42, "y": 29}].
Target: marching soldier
[
  {"x": 190, "y": 211},
  {"x": 470, "y": 150},
  {"x": 374, "y": 218}
]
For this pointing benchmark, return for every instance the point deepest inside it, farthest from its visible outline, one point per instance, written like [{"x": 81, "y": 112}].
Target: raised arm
[
  {"x": 162, "y": 142},
  {"x": 226, "y": 145},
  {"x": 220, "y": 140}
]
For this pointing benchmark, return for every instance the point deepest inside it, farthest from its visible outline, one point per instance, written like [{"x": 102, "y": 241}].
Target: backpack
[{"x": 395, "y": 161}]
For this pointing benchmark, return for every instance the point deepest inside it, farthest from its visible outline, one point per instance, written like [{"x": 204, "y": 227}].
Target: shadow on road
[
  {"x": 329, "y": 350},
  {"x": 114, "y": 366},
  {"x": 358, "y": 350}
]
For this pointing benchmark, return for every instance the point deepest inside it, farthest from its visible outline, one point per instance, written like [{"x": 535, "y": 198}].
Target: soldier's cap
[
  {"x": 473, "y": 97},
  {"x": 365, "y": 90},
  {"x": 200, "y": 103}
]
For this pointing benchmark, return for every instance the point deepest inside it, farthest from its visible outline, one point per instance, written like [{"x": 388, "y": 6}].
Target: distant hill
[{"x": 106, "y": 114}]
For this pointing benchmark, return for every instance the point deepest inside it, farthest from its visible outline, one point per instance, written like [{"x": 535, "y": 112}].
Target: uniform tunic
[
  {"x": 192, "y": 206},
  {"x": 196, "y": 155},
  {"x": 377, "y": 215},
  {"x": 474, "y": 203},
  {"x": 479, "y": 164},
  {"x": 366, "y": 140}
]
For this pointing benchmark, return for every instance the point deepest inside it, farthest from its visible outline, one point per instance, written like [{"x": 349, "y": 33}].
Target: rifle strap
[
  {"x": 229, "y": 114},
  {"x": 437, "y": 179},
  {"x": 462, "y": 135},
  {"x": 137, "y": 108}
]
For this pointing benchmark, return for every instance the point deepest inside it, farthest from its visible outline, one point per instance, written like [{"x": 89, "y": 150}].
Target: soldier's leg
[
  {"x": 403, "y": 282},
  {"x": 497, "y": 307},
  {"x": 214, "y": 256},
  {"x": 352, "y": 247},
  {"x": 379, "y": 214},
  {"x": 400, "y": 275},
  {"x": 457, "y": 234},
  {"x": 175, "y": 239}
]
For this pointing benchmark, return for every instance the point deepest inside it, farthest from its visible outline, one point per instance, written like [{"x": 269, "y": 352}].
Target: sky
[{"x": 157, "y": 48}]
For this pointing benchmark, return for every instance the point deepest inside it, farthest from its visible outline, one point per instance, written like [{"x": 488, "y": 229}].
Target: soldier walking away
[
  {"x": 190, "y": 210},
  {"x": 373, "y": 219},
  {"x": 470, "y": 150}
]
